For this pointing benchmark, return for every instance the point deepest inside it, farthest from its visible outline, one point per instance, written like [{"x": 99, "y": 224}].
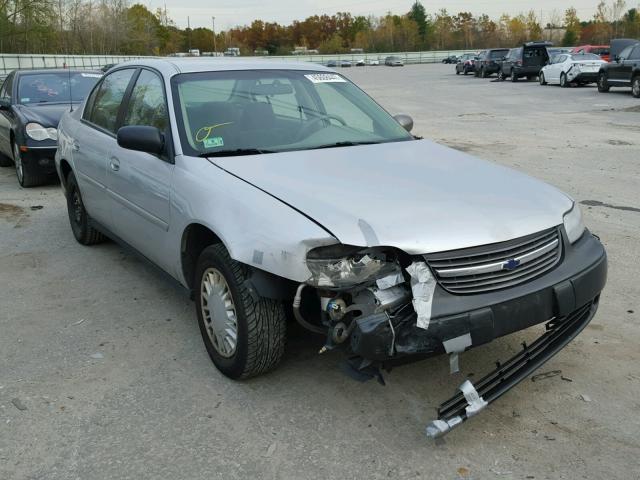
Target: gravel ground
[{"x": 103, "y": 374}]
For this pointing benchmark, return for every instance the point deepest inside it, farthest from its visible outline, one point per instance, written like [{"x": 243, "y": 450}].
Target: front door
[{"x": 139, "y": 183}]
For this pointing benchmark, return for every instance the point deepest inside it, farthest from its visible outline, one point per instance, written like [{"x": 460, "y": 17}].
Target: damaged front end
[{"x": 385, "y": 308}]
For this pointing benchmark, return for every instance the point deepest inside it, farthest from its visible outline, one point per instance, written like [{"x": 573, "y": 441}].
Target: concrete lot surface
[{"x": 103, "y": 374}]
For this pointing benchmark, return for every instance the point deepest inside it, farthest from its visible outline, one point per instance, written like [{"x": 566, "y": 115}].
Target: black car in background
[
  {"x": 525, "y": 61},
  {"x": 450, "y": 59},
  {"x": 31, "y": 104},
  {"x": 466, "y": 64},
  {"x": 489, "y": 61},
  {"x": 624, "y": 68}
]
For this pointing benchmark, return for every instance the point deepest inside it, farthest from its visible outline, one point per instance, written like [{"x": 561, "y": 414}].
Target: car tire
[
  {"x": 82, "y": 230},
  {"x": 483, "y": 73},
  {"x": 513, "y": 76},
  {"x": 26, "y": 177},
  {"x": 603, "y": 83},
  {"x": 457, "y": 72},
  {"x": 635, "y": 86},
  {"x": 541, "y": 79},
  {"x": 465, "y": 71},
  {"x": 501, "y": 75},
  {"x": 258, "y": 324},
  {"x": 564, "y": 83}
]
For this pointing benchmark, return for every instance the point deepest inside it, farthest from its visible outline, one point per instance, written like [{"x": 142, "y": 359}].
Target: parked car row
[
  {"x": 614, "y": 66},
  {"x": 392, "y": 61}
]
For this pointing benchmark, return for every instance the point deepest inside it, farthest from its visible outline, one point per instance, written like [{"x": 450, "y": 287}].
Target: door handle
[
  {"x": 75, "y": 146},
  {"x": 114, "y": 164}
]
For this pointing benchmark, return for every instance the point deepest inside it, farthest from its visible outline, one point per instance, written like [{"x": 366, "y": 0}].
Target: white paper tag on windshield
[
  {"x": 325, "y": 77},
  {"x": 91, "y": 75}
]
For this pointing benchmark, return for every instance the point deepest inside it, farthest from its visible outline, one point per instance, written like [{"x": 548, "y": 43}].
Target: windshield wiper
[
  {"x": 235, "y": 153},
  {"x": 344, "y": 144}
]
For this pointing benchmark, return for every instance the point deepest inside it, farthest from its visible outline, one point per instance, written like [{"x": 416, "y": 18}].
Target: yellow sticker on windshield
[
  {"x": 204, "y": 132},
  {"x": 213, "y": 142}
]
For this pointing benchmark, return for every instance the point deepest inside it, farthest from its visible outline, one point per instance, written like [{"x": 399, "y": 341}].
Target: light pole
[{"x": 213, "y": 30}]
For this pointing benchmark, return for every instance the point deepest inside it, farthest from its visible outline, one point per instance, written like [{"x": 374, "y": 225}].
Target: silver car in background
[{"x": 277, "y": 190}]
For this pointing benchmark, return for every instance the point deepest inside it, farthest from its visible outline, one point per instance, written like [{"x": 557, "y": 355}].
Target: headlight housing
[
  {"x": 37, "y": 132},
  {"x": 343, "y": 266},
  {"x": 573, "y": 223}
]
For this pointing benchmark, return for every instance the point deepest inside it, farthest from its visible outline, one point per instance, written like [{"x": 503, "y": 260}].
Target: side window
[
  {"x": 147, "y": 105},
  {"x": 624, "y": 55},
  {"x": 88, "y": 106},
  {"x": 108, "y": 99},
  {"x": 635, "y": 55}
]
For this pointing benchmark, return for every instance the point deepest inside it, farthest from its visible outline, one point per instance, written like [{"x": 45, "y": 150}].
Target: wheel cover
[
  {"x": 219, "y": 312},
  {"x": 636, "y": 87},
  {"x": 17, "y": 159}
]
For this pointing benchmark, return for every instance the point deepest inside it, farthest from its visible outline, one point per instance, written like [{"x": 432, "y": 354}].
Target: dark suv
[
  {"x": 489, "y": 61},
  {"x": 623, "y": 71},
  {"x": 525, "y": 61}
]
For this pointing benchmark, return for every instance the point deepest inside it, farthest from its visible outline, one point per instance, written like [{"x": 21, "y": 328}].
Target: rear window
[
  {"x": 498, "y": 53},
  {"x": 585, "y": 56},
  {"x": 600, "y": 51}
]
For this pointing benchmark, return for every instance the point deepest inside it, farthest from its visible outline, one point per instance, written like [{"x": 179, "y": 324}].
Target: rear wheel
[
  {"x": 483, "y": 73},
  {"x": 457, "y": 72},
  {"x": 603, "y": 83},
  {"x": 244, "y": 334},
  {"x": 541, "y": 79},
  {"x": 500, "y": 75},
  {"x": 564, "y": 83},
  {"x": 635, "y": 86},
  {"x": 465, "y": 71},
  {"x": 78, "y": 217},
  {"x": 513, "y": 76}
]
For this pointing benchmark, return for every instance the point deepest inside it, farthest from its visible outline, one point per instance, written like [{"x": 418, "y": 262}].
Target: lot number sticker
[{"x": 325, "y": 77}]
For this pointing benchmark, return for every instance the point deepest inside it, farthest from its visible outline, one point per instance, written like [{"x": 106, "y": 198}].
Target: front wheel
[
  {"x": 541, "y": 79},
  {"x": 564, "y": 83},
  {"x": 243, "y": 334},
  {"x": 26, "y": 177},
  {"x": 603, "y": 83},
  {"x": 635, "y": 86}
]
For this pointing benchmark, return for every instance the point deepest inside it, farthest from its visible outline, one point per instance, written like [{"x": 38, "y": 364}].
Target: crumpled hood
[
  {"x": 47, "y": 115},
  {"x": 418, "y": 196}
]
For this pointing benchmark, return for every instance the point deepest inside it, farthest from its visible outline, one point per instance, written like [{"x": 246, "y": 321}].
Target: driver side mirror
[
  {"x": 5, "y": 103},
  {"x": 405, "y": 121},
  {"x": 141, "y": 138}
]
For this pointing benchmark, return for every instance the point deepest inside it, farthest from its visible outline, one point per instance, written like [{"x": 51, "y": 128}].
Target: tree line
[{"x": 115, "y": 27}]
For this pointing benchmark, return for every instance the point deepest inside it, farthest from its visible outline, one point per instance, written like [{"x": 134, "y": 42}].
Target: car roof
[{"x": 173, "y": 66}]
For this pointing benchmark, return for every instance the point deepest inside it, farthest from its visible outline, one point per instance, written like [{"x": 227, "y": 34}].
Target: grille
[{"x": 499, "y": 265}]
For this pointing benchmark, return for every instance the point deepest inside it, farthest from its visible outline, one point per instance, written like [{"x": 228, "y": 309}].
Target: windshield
[
  {"x": 585, "y": 56},
  {"x": 276, "y": 110},
  {"x": 54, "y": 87}
]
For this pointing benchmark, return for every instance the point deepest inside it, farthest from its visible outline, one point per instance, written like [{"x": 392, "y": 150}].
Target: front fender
[{"x": 256, "y": 228}]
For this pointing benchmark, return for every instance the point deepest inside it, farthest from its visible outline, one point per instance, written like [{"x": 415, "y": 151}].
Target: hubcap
[
  {"x": 17, "y": 159},
  {"x": 219, "y": 312}
]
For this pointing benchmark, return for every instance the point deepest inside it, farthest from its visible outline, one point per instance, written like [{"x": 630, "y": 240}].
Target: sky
[{"x": 231, "y": 13}]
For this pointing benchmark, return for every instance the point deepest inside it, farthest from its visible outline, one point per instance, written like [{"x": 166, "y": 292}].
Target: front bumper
[
  {"x": 39, "y": 159},
  {"x": 577, "y": 280}
]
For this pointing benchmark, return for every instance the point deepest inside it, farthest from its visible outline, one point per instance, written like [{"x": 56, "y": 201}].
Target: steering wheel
[{"x": 310, "y": 126}]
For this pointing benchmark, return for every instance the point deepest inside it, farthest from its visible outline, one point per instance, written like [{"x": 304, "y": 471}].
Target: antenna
[{"x": 70, "y": 97}]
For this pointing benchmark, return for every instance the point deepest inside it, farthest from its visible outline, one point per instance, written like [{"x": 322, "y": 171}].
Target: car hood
[
  {"x": 418, "y": 196},
  {"x": 47, "y": 115}
]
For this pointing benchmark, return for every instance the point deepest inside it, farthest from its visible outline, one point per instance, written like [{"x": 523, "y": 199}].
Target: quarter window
[
  {"x": 104, "y": 112},
  {"x": 147, "y": 105}
]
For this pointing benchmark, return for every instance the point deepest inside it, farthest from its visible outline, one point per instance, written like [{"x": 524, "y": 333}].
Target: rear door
[
  {"x": 93, "y": 140},
  {"x": 6, "y": 117},
  {"x": 139, "y": 183}
]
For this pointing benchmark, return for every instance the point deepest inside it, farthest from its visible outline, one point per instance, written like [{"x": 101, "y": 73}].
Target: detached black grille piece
[{"x": 499, "y": 265}]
